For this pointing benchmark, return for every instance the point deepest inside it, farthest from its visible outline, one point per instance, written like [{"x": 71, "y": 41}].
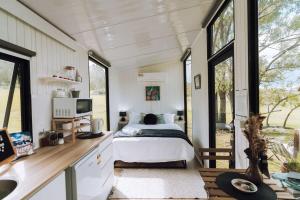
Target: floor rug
[{"x": 158, "y": 184}]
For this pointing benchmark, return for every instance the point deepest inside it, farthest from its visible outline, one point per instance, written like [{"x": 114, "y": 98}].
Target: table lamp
[
  {"x": 180, "y": 114},
  {"x": 122, "y": 114}
]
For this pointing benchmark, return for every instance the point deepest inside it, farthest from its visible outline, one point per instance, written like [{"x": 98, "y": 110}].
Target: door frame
[
  {"x": 106, "y": 88},
  {"x": 217, "y": 59},
  {"x": 185, "y": 93}
]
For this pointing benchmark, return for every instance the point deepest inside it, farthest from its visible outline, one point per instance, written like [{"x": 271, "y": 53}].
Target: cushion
[
  {"x": 150, "y": 119},
  {"x": 134, "y": 118},
  {"x": 142, "y": 118},
  {"x": 169, "y": 118},
  {"x": 160, "y": 119}
]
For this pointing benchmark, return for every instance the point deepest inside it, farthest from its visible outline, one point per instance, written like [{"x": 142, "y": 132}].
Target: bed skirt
[{"x": 174, "y": 164}]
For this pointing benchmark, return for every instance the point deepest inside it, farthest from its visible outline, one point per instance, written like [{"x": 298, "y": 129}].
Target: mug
[{"x": 97, "y": 125}]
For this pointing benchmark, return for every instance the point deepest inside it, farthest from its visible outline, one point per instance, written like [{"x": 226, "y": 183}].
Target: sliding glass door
[
  {"x": 188, "y": 96},
  {"x": 221, "y": 79},
  {"x": 276, "y": 73},
  {"x": 220, "y": 36},
  {"x": 99, "y": 92}
]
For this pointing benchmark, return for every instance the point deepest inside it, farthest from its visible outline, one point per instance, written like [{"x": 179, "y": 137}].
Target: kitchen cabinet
[
  {"x": 91, "y": 178},
  {"x": 56, "y": 189}
]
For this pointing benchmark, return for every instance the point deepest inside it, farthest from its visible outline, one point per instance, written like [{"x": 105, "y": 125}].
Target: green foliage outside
[{"x": 279, "y": 70}]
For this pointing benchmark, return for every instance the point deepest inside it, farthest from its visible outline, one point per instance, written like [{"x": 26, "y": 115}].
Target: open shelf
[
  {"x": 59, "y": 80},
  {"x": 76, "y": 128}
]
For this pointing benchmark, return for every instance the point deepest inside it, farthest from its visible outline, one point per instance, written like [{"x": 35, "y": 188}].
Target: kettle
[{"x": 97, "y": 124}]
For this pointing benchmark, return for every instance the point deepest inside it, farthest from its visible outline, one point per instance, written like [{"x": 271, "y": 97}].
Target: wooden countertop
[{"x": 36, "y": 171}]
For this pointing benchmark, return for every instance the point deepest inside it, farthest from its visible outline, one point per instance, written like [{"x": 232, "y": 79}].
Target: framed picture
[
  {"x": 152, "y": 93},
  {"x": 197, "y": 81}
]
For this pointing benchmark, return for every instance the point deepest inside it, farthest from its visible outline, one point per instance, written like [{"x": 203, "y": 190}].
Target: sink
[{"x": 7, "y": 186}]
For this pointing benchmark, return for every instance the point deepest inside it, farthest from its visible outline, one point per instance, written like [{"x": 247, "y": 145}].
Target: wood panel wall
[{"x": 52, "y": 56}]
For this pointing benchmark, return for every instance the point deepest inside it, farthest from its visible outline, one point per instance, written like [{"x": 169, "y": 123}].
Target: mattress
[{"x": 152, "y": 149}]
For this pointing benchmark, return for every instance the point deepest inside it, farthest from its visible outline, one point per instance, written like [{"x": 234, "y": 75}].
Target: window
[
  {"x": 15, "y": 98},
  {"x": 222, "y": 29},
  {"x": 220, "y": 33},
  {"x": 188, "y": 96},
  {"x": 275, "y": 30},
  {"x": 99, "y": 92}
]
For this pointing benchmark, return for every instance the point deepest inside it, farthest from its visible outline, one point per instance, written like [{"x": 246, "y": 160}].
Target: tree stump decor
[{"x": 257, "y": 151}]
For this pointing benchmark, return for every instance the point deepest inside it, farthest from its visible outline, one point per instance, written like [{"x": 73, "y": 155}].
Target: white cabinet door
[{"x": 56, "y": 189}]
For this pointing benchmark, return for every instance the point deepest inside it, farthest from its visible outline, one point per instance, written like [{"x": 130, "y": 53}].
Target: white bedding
[{"x": 152, "y": 149}]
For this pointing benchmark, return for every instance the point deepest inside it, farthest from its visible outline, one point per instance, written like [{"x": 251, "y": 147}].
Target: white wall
[
  {"x": 52, "y": 55},
  {"x": 200, "y": 96},
  {"x": 114, "y": 97},
  {"x": 241, "y": 80},
  {"x": 132, "y": 92}
]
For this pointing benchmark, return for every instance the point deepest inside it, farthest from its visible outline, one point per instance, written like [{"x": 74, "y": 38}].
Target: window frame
[
  {"x": 213, "y": 59},
  {"x": 210, "y": 54},
  {"x": 23, "y": 70},
  {"x": 253, "y": 53},
  {"x": 185, "y": 92},
  {"x": 106, "y": 88}
]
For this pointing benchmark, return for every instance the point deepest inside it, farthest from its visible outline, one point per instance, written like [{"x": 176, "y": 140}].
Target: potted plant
[{"x": 291, "y": 165}]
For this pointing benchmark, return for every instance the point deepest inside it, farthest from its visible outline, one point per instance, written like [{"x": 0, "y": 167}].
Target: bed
[{"x": 158, "y": 145}]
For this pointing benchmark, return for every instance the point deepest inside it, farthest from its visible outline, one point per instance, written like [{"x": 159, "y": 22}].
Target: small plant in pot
[
  {"x": 75, "y": 93},
  {"x": 291, "y": 165},
  {"x": 257, "y": 150}
]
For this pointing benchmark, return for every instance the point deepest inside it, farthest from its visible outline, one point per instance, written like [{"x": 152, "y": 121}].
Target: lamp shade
[
  {"x": 122, "y": 114},
  {"x": 180, "y": 112}
]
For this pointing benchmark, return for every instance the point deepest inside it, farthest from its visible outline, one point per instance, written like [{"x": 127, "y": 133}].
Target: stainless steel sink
[{"x": 7, "y": 186}]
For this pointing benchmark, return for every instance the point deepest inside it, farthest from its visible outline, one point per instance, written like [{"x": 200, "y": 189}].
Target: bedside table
[
  {"x": 180, "y": 123},
  {"x": 121, "y": 124}
]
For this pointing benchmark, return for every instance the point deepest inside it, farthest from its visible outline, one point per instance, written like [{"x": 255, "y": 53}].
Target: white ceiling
[{"x": 128, "y": 33}]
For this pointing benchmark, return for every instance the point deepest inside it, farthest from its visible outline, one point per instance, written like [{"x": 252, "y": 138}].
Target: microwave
[{"x": 71, "y": 107}]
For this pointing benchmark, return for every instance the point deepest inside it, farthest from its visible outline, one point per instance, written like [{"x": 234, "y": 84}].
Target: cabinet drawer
[
  {"x": 107, "y": 169},
  {"x": 105, "y": 143},
  {"x": 107, "y": 187},
  {"x": 105, "y": 155}
]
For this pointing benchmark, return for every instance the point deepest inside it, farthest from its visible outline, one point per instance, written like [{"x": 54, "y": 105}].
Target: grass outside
[
  {"x": 275, "y": 131},
  {"x": 15, "y": 114},
  {"x": 99, "y": 108},
  {"x": 277, "y": 118},
  {"x": 189, "y": 120},
  {"x": 223, "y": 140}
]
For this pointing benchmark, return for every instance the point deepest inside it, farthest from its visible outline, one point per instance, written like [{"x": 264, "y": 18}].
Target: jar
[{"x": 70, "y": 73}]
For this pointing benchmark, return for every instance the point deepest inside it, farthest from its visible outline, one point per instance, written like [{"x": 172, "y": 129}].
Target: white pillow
[
  {"x": 134, "y": 118},
  {"x": 169, "y": 118}
]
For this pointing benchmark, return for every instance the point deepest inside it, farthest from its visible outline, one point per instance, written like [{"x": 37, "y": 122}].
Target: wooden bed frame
[{"x": 174, "y": 164}]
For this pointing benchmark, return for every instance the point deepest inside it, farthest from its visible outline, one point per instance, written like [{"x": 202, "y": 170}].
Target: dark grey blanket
[{"x": 165, "y": 133}]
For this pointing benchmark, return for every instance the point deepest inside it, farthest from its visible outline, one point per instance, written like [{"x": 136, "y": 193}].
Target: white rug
[{"x": 158, "y": 184}]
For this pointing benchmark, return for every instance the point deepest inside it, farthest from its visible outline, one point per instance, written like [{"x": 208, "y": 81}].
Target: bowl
[{"x": 244, "y": 185}]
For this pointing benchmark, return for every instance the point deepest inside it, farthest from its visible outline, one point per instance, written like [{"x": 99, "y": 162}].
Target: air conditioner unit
[{"x": 152, "y": 77}]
